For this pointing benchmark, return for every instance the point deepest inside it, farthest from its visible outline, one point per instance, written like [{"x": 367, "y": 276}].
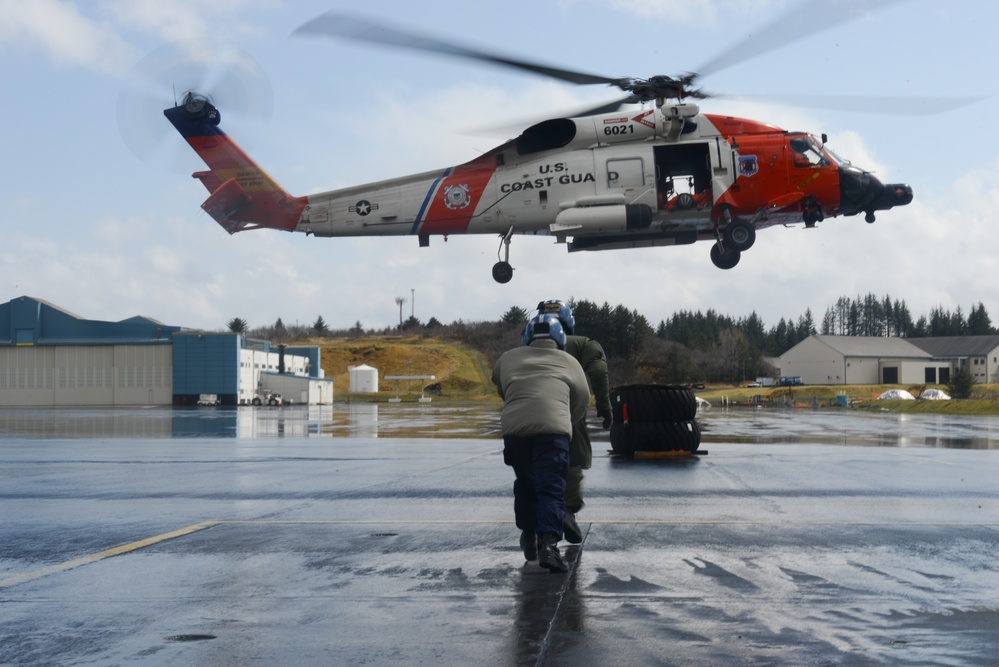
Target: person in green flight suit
[{"x": 590, "y": 355}]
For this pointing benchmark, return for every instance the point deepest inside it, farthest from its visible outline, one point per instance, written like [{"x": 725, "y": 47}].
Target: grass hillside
[{"x": 460, "y": 372}]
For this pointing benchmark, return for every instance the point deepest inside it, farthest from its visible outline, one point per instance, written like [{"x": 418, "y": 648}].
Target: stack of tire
[{"x": 653, "y": 418}]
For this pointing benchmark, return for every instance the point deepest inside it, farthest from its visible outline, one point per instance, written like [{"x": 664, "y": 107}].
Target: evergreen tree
[
  {"x": 514, "y": 315},
  {"x": 829, "y": 322},
  {"x": 752, "y": 327},
  {"x": 806, "y": 327},
  {"x": 237, "y": 325},
  {"x": 979, "y": 323},
  {"x": 961, "y": 383},
  {"x": 853, "y": 318},
  {"x": 320, "y": 326}
]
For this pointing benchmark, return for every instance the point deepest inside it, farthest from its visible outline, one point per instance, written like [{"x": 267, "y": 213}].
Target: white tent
[
  {"x": 934, "y": 395},
  {"x": 895, "y": 394}
]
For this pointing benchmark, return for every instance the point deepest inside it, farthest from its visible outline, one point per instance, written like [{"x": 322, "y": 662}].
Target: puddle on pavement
[{"x": 429, "y": 421}]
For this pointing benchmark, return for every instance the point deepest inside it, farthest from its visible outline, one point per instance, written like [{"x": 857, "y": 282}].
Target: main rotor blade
[
  {"x": 519, "y": 125},
  {"x": 894, "y": 105},
  {"x": 807, "y": 19},
  {"x": 334, "y": 24}
]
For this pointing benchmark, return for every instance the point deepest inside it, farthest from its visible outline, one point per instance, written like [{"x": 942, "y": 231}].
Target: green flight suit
[{"x": 591, "y": 357}]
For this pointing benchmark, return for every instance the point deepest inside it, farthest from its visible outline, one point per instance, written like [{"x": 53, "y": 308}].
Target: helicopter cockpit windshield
[
  {"x": 808, "y": 152},
  {"x": 840, "y": 162}
]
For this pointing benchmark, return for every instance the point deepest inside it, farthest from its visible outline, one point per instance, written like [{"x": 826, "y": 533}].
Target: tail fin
[{"x": 243, "y": 196}]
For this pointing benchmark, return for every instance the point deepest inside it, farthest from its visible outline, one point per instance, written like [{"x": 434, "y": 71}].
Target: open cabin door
[{"x": 683, "y": 177}]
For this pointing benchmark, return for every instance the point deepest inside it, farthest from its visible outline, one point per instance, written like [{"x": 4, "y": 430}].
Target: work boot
[
  {"x": 573, "y": 534},
  {"x": 529, "y": 543},
  {"x": 549, "y": 556}
]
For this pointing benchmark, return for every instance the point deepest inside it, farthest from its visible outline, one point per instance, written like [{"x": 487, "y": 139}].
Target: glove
[{"x": 606, "y": 416}]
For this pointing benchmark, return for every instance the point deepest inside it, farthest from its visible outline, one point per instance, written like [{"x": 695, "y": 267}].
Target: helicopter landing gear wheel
[
  {"x": 812, "y": 216},
  {"x": 724, "y": 258},
  {"x": 502, "y": 271},
  {"x": 740, "y": 236}
]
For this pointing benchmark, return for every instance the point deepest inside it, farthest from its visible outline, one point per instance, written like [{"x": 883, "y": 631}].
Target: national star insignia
[{"x": 363, "y": 207}]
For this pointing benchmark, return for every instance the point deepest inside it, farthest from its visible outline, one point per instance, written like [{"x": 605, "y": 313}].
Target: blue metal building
[{"x": 51, "y": 357}]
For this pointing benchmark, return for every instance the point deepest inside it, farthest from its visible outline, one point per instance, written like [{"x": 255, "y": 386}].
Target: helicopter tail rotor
[{"x": 204, "y": 69}]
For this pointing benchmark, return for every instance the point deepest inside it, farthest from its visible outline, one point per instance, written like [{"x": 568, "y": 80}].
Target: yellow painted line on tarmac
[
  {"x": 597, "y": 522},
  {"x": 109, "y": 553}
]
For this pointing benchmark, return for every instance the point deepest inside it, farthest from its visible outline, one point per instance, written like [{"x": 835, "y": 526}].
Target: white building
[{"x": 822, "y": 359}]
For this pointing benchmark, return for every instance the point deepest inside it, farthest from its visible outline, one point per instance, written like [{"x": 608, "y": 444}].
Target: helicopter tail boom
[{"x": 242, "y": 195}]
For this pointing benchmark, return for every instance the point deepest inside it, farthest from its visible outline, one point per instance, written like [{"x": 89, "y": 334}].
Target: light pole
[
  {"x": 400, "y": 300},
  {"x": 412, "y": 302}
]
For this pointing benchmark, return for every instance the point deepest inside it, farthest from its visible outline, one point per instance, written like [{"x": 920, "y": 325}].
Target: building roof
[
  {"x": 873, "y": 346},
  {"x": 30, "y": 321},
  {"x": 957, "y": 346}
]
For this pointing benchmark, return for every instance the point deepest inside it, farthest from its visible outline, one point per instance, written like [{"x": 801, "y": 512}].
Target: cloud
[
  {"x": 97, "y": 36},
  {"x": 65, "y": 35},
  {"x": 680, "y": 12},
  {"x": 185, "y": 19}
]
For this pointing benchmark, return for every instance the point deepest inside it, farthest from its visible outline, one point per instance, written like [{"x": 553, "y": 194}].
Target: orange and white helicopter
[{"x": 605, "y": 179}]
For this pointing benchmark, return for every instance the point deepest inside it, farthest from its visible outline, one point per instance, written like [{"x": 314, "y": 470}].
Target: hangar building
[{"x": 51, "y": 357}]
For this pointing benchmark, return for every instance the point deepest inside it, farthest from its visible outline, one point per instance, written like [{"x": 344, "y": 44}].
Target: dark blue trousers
[{"x": 541, "y": 463}]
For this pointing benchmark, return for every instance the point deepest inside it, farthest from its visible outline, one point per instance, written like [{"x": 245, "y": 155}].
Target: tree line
[{"x": 689, "y": 346}]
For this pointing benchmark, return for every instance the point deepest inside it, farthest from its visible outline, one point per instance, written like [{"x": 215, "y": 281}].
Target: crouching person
[{"x": 544, "y": 392}]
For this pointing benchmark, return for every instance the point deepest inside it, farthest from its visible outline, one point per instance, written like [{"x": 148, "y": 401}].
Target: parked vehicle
[{"x": 267, "y": 398}]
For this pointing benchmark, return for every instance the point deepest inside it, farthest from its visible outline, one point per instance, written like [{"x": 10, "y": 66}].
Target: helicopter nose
[{"x": 862, "y": 191}]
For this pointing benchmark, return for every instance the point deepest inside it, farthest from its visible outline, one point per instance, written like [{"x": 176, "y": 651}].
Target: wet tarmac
[{"x": 383, "y": 535}]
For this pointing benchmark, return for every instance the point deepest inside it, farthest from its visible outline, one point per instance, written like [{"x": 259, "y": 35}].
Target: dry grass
[
  {"x": 460, "y": 373},
  {"x": 983, "y": 400}
]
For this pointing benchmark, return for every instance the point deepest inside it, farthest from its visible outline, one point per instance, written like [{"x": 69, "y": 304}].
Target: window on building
[{"x": 930, "y": 375}]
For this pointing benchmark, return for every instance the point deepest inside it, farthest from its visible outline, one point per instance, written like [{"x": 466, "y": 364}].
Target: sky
[{"x": 106, "y": 231}]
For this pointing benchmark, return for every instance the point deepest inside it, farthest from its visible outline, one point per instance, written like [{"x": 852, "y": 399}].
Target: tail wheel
[{"x": 502, "y": 272}]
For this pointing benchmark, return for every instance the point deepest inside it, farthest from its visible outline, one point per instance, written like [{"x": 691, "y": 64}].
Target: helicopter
[{"x": 606, "y": 178}]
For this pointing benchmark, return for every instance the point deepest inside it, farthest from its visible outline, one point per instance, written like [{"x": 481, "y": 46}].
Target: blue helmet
[
  {"x": 544, "y": 327},
  {"x": 561, "y": 310}
]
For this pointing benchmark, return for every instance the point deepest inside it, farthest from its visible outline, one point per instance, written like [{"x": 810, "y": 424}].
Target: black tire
[
  {"x": 661, "y": 436},
  {"x": 740, "y": 235},
  {"x": 724, "y": 258},
  {"x": 619, "y": 439},
  {"x": 670, "y": 404},
  {"x": 653, "y": 403},
  {"x": 502, "y": 272}
]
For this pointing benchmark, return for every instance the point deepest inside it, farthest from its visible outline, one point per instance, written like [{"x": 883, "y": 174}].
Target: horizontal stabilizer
[{"x": 225, "y": 203}]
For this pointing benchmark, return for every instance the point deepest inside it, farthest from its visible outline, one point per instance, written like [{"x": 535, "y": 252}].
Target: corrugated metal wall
[
  {"x": 86, "y": 375},
  {"x": 205, "y": 364}
]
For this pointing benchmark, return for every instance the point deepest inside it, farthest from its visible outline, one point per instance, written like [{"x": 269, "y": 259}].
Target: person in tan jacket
[{"x": 544, "y": 392}]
